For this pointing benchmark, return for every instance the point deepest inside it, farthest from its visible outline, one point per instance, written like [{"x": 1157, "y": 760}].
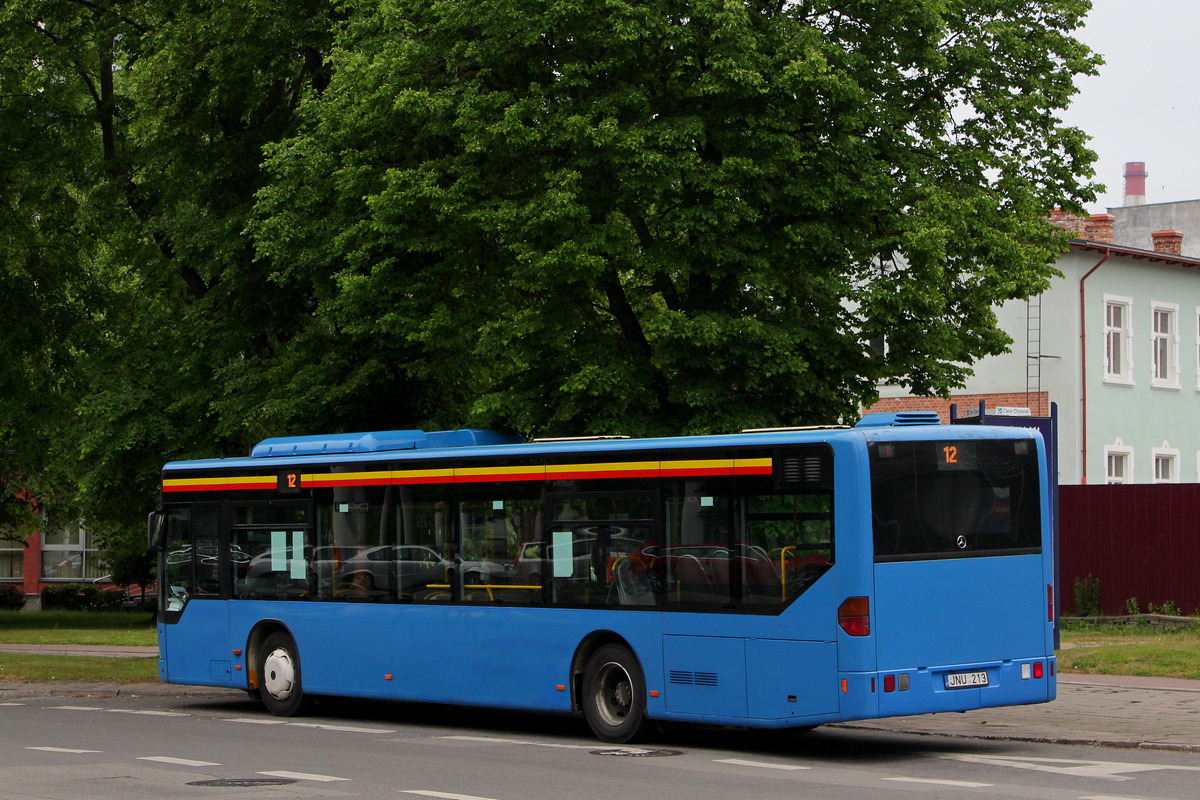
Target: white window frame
[
  {"x": 78, "y": 549},
  {"x": 1170, "y": 455},
  {"x": 1197, "y": 364},
  {"x": 1121, "y": 373},
  {"x": 1164, "y": 346},
  {"x": 1118, "y": 449},
  {"x": 14, "y": 554}
]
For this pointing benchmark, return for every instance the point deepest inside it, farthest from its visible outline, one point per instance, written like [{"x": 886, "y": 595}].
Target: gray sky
[{"x": 1145, "y": 103}]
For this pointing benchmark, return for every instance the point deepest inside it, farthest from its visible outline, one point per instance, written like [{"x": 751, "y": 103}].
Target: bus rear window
[{"x": 953, "y": 499}]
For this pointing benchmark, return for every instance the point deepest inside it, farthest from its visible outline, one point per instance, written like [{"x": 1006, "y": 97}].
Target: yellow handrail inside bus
[
  {"x": 488, "y": 587},
  {"x": 783, "y": 571}
]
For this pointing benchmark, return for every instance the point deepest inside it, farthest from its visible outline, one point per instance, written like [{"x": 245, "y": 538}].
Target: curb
[{"x": 1116, "y": 744}]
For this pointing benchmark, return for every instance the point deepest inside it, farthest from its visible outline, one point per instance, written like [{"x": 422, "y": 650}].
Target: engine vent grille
[{"x": 684, "y": 678}]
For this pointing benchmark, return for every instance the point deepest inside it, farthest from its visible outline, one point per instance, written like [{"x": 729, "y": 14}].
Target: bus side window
[
  {"x": 699, "y": 552},
  {"x": 497, "y": 525},
  {"x": 787, "y": 543},
  {"x": 424, "y": 558}
]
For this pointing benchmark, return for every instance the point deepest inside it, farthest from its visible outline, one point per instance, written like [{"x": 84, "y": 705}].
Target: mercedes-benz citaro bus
[{"x": 776, "y": 578}]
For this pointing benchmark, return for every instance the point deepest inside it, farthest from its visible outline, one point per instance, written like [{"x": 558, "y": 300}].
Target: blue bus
[{"x": 777, "y": 578}]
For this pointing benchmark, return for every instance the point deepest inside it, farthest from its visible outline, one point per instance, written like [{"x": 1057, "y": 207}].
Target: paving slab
[
  {"x": 1117, "y": 711},
  {"x": 109, "y": 651}
]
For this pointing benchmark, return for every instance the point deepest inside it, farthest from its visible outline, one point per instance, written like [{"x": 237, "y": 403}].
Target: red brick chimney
[
  {"x": 1099, "y": 228},
  {"x": 1070, "y": 222},
  {"x": 1170, "y": 242}
]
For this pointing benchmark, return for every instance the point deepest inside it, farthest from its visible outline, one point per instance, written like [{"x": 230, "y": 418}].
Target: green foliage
[
  {"x": 12, "y": 597},
  {"x": 127, "y": 558},
  {"x": 229, "y": 221},
  {"x": 81, "y": 597},
  {"x": 1167, "y": 609},
  {"x": 1131, "y": 607},
  {"x": 658, "y": 217},
  {"x": 1087, "y": 596}
]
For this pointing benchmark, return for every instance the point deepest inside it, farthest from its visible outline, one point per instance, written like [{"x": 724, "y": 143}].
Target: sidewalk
[
  {"x": 1116, "y": 711},
  {"x": 81, "y": 650}
]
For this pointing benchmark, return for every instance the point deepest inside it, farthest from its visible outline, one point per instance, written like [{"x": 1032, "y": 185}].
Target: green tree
[
  {"x": 131, "y": 134},
  {"x": 128, "y": 561},
  {"x": 557, "y": 217},
  {"x": 680, "y": 215}
]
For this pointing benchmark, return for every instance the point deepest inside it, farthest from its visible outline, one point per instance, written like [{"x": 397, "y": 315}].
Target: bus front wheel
[
  {"x": 614, "y": 695},
  {"x": 279, "y": 676}
]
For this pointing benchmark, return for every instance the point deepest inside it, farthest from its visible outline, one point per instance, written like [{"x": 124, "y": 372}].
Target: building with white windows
[{"x": 1115, "y": 344}]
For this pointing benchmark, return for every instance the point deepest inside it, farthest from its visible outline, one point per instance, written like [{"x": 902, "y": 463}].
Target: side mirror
[{"x": 156, "y": 528}]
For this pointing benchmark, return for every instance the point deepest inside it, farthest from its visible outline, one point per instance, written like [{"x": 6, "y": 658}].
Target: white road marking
[
  {"x": 1109, "y": 797},
  {"x": 497, "y": 740},
  {"x": 183, "y": 762},
  {"x": 743, "y": 763},
  {"x": 1065, "y": 766},
  {"x": 302, "y": 776},
  {"x": 145, "y": 713},
  {"x": 345, "y": 728},
  {"x": 443, "y": 795},
  {"x": 76, "y": 708},
  {"x": 257, "y": 721},
  {"x": 12, "y": 704},
  {"x": 962, "y": 784},
  {"x": 62, "y": 750}
]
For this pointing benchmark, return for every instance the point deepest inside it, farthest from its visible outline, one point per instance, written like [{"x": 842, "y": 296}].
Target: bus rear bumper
[
  {"x": 967, "y": 686},
  {"x": 963, "y": 687}
]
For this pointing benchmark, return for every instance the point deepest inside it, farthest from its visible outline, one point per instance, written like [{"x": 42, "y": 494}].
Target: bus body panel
[
  {"x": 197, "y": 651},
  {"x": 791, "y": 680},
  {"x": 855, "y": 554},
  {"x": 953, "y": 611},
  {"x": 963, "y": 623},
  {"x": 749, "y": 665},
  {"x": 464, "y": 652},
  {"x": 342, "y": 646}
]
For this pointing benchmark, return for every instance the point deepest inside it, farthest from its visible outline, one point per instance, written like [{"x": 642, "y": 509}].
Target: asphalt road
[{"x": 80, "y": 748}]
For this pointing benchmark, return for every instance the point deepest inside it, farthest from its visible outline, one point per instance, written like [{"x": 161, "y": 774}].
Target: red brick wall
[
  {"x": 1037, "y": 403},
  {"x": 1074, "y": 224}
]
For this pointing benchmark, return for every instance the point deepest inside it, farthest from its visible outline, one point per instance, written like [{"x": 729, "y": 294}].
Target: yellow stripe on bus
[{"x": 723, "y": 466}]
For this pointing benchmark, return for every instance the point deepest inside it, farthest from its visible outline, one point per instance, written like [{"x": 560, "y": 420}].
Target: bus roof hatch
[
  {"x": 896, "y": 419},
  {"x": 376, "y": 442}
]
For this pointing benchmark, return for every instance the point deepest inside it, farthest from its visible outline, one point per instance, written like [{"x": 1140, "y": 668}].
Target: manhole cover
[
  {"x": 635, "y": 752},
  {"x": 243, "y": 782}
]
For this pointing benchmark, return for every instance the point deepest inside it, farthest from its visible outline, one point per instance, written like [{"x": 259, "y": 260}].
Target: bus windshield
[{"x": 952, "y": 499}]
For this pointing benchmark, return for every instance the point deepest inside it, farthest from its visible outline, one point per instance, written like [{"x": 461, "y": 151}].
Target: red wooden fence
[{"x": 1141, "y": 541}]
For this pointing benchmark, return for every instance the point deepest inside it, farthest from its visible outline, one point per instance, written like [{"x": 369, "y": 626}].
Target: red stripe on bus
[{"x": 536, "y": 473}]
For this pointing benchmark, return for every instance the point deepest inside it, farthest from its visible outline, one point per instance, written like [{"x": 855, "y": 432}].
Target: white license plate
[{"x": 966, "y": 680}]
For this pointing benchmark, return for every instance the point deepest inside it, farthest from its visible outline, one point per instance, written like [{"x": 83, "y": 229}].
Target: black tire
[
  {"x": 614, "y": 695},
  {"x": 279, "y": 683}
]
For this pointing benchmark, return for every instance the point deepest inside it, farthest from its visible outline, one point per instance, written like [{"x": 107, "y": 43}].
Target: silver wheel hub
[
  {"x": 279, "y": 673},
  {"x": 614, "y": 693}
]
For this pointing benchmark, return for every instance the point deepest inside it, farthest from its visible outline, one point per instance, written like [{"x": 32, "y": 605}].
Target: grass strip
[
  {"x": 15, "y": 667},
  {"x": 1135, "y": 649},
  {"x": 78, "y": 627}
]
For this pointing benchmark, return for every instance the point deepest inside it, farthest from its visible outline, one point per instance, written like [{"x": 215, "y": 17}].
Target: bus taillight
[{"x": 854, "y": 616}]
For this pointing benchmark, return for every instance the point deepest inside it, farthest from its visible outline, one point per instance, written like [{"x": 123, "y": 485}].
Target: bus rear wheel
[
  {"x": 614, "y": 695},
  {"x": 279, "y": 676}
]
